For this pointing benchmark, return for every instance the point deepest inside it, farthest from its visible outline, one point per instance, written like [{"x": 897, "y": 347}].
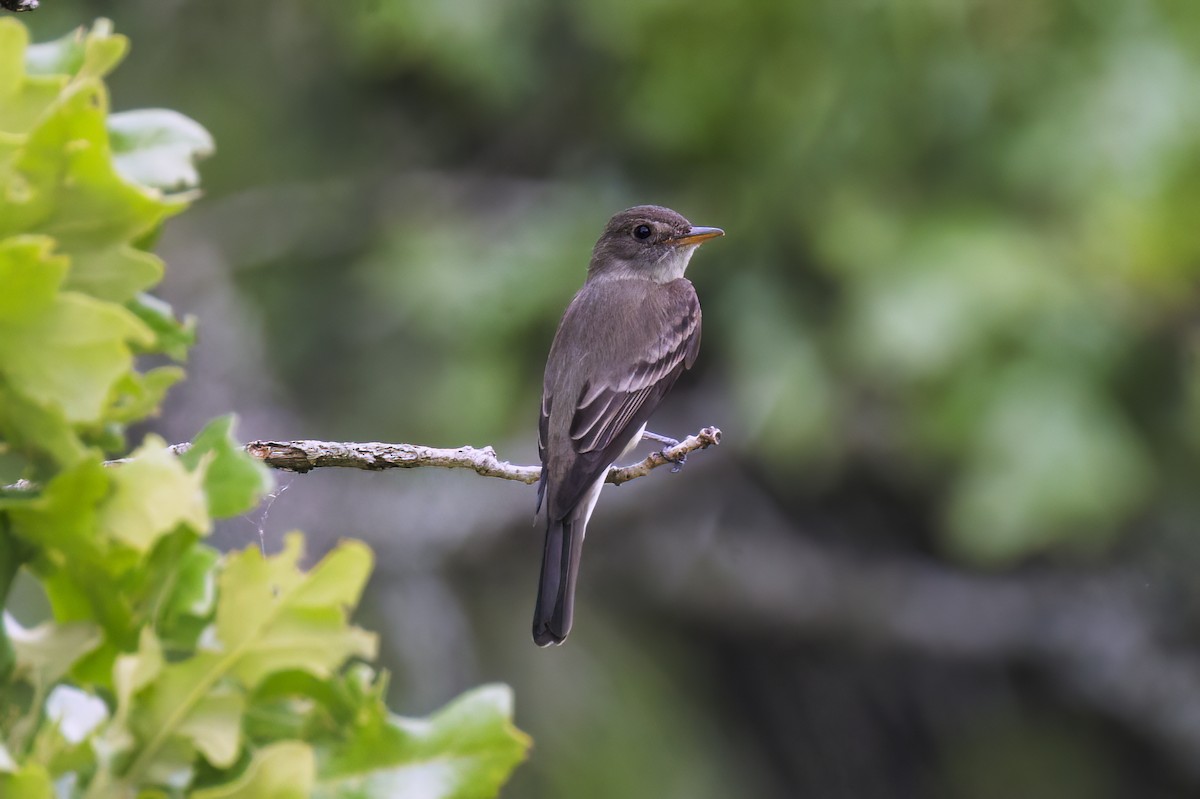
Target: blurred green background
[{"x": 951, "y": 336}]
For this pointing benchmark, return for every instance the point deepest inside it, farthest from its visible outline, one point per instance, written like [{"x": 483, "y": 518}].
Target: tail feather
[{"x": 556, "y": 589}]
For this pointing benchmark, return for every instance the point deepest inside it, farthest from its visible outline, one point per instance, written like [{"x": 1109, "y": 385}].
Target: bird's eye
[{"x": 642, "y": 232}]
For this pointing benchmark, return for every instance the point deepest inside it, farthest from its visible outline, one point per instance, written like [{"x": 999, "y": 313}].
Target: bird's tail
[{"x": 556, "y": 589}]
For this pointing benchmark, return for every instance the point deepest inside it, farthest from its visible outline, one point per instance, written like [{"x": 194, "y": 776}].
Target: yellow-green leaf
[
  {"x": 46, "y": 652},
  {"x": 70, "y": 355},
  {"x": 30, "y": 274},
  {"x": 22, "y": 98},
  {"x": 152, "y": 493},
  {"x": 284, "y": 770},
  {"x": 466, "y": 750},
  {"x": 234, "y": 482}
]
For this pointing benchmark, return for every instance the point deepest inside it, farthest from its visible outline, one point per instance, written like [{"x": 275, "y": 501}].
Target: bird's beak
[{"x": 696, "y": 235}]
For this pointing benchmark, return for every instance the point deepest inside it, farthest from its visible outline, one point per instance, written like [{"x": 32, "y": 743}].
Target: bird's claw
[
  {"x": 668, "y": 445},
  {"x": 677, "y": 462}
]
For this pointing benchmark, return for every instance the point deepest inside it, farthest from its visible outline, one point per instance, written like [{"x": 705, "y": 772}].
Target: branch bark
[{"x": 304, "y": 456}]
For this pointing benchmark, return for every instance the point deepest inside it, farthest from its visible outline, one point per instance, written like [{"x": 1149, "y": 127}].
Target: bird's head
[{"x": 647, "y": 241}]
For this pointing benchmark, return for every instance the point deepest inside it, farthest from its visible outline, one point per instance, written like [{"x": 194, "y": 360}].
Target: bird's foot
[
  {"x": 668, "y": 444},
  {"x": 666, "y": 441}
]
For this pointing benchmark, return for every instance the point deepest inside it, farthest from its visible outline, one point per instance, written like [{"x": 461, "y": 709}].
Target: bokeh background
[{"x": 949, "y": 546}]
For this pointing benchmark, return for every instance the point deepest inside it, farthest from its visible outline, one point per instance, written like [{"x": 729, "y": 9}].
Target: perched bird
[{"x": 622, "y": 343}]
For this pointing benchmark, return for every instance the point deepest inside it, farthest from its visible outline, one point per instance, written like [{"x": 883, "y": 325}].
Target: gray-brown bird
[{"x": 622, "y": 343}]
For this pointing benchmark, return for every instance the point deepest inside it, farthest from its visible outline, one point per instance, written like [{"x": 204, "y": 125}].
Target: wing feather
[
  {"x": 625, "y": 382},
  {"x": 608, "y": 405},
  {"x": 543, "y": 435}
]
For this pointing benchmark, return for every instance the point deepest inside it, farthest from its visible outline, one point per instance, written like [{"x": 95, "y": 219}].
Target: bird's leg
[{"x": 667, "y": 443}]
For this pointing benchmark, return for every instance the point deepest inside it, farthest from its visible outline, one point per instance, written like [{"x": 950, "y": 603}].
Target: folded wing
[{"x": 621, "y": 392}]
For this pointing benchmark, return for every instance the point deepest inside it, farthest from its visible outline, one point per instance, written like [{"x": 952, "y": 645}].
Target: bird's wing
[
  {"x": 543, "y": 434},
  {"x": 609, "y": 402},
  {"x": 608, "y": 408}
]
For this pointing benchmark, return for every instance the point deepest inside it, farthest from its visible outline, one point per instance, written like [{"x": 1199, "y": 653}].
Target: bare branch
[{"x": 303, "y": 456}]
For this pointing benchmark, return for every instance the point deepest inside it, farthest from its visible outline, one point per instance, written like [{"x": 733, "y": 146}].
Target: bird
[{"x": 623, "y": 341}]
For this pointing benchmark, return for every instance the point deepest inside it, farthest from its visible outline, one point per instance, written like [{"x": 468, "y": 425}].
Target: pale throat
[{"x": 672, "y": 266}]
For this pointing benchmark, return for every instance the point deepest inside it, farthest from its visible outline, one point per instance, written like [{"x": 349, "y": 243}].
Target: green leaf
[
  {"x": 192, "y": 597},
  {"x": 89, "y": 54},
  {"x": 214, "y": 725},
  {"x": 139, "y": 394},
  {"x": 70, "y": 355},
  {"x": 31, "y": 781},
  {"x": 233, "y": 481},
  {"x": 66, "y": 359},
  {"x": 152, "y": 493},
  {"x": 31, "y": 276},
  {"x": 39, "y": 433},
  {"x": 45, "y": 653},
  {"x": 296, "y": 704},
  {"x": 156, "y": 147},
  {"x": 22, "y": 98},
  {"x": 277, "y": 617},
  {"x": 93, "y": 209},
  {"x": 270, "y": 617},
  {"x": 172, "y": 337},
  {"x": 133, "y": 672},
  {"x": 12, "y": 554},
  {"x": 60, "y": 349},
  {"x": 280, "y": 771},
  {"x": 467, "y": 750},
  {"x": 79, "y": 571},
  {"x": 61, "y": 520},
  {"x": 115, "y": 273}
]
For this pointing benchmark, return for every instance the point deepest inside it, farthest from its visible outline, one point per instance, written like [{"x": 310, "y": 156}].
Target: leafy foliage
[{"x": 167, "y": 668}]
